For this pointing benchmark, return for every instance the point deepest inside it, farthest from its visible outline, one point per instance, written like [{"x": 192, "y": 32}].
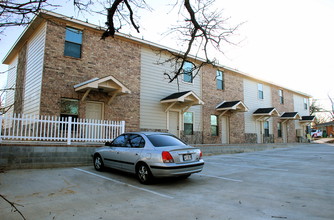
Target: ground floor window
[
  {"x": 214, "y": 125},
  {"x": 188, "y": 119},
  {"x": 279, "y": 129},
  {"x": 69, "y": 107},
  {"x": 266, "y": 128}
]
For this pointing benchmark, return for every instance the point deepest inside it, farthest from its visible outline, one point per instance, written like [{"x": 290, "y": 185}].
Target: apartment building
[{"x": 59, "y": 66}]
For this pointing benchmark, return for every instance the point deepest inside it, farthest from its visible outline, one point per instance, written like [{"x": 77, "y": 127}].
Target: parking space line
[
  {"x": 218, "y": 177},
  {"x": 247, "y": 166},
  {"x": 119, "y": 182}
]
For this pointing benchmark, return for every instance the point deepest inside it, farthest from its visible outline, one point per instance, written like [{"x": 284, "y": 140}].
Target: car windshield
[{"x": 163, "y": 140}]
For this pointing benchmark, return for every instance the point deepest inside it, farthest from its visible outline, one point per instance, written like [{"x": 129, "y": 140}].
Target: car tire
[
  {"x": 183, "y": 177},
  {"x": 144, "y": 174},
  {"x": 98, "y": 163}
]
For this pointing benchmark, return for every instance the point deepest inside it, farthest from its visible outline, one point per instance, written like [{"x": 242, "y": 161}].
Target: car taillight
[
  {"x": 167, "y": 157},
  {"x": 200, "y": 155}
]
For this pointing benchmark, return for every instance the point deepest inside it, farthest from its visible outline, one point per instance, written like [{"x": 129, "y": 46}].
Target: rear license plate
[{"x": 187, "y": 157}]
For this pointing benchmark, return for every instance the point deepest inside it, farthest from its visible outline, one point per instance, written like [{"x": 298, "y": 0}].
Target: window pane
[
  {"x": 260, "y": 91},
  {"x": 220, "y": 80},
  {"x": 214, "y": 120},
  {"x": 72, "y": 49},
  {"x": 188, "y": 117},
  {"x": 214, "y": 130},
  {"x": 69, "y": 106},
  {"x": 187, "y": 72},
  {"x": 188, "y": 129},
  {"x": 163, "y": 140},
  {"x": 119, "y": 142},
  {"x": 136, "y": 141},
  {"x": 73, "y": 35}
]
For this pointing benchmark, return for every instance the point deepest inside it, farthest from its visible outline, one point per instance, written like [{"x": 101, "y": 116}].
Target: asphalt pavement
[{"x": 283, "y": 183}]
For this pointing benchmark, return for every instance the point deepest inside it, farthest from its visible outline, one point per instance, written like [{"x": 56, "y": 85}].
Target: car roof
[{"x": 148, "y": 133}]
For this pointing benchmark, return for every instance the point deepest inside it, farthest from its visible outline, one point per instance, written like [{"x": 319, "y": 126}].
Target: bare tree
[
  {"x": 332, "y": 106},
  {"x": 202, "y": 29},
  {"x": 16, "y": 13},
  {"x": 315, "y": 107}
]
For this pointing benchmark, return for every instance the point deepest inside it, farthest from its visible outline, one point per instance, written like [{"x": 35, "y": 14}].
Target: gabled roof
[
  {"x": 181, "y": 101},
  {"x": 290, "y": 116},
  {"x": 307, "y": 119},
  {"x": 187, "y": 96},
  {"x": 106, "y": 84},
  {"x": 232, "y": 105},
  {"x": 266, "y": 112}
]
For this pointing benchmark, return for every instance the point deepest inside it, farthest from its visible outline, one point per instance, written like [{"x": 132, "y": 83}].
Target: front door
[
  {"x": 285, "y": 132},
  {"x": 225, "y": 129},
  {"x": 94, "y": 110},
  {"x": 174, "y": 123}
]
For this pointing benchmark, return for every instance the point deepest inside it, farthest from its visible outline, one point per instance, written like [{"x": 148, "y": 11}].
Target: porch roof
[
  {"x": 108, "y": 84},
  {"x": 271, "y": 112},
  {"x": 181, "y": 100},
  {"x": 290, "y": 116},
  {"x": 307, "y": 119},
  {"x": 232, "y": 105}
]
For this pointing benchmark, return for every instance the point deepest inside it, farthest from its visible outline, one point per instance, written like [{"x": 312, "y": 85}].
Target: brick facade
[
  {"x": 100, "y": 58},
  {"x": 287, "y": 106},
  {"x": 233, "y": 91},
  {"x": 20, "y": 80}
]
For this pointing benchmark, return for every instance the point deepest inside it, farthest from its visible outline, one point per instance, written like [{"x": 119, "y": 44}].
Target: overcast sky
[{"x": 288, "y": 42}]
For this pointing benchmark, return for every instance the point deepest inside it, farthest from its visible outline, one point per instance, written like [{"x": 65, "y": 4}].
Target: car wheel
[
  {"x": 98, "y": 163},
  {"x": 144, "y": 174},
  {"x": 184, "y": 176}
]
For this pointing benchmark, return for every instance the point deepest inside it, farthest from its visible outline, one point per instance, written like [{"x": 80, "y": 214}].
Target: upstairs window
[
  {"x": 305, "y": 103},
  {"x": 281, "y": 97},
  {"x": 260, "y": 90},
  {"x": 188, "y": 72},
  {"x": 188, "y": 119},
  {"x": 214, "y": 125},
  {"x": 73, "y": 42},
  {"x": 220, "y": 79}
]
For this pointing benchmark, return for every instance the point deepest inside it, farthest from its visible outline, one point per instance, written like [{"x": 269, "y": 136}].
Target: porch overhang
[
  {"x": 181, "y": 101},
  {"x": 231, "y": 106},
  {"x": 307, "y": 119},
  {"x": 107, "y": 84},
  {"x": 263, "y": 114},
  {"x": 290, "y": 116}
]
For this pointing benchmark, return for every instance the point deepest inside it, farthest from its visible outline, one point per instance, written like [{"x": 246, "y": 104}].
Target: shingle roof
[
  {"x": 307, "y": 118},
  {"x": 263, "y": 111},
  {"x": 175, "y": 95},
  {"x": 227, "y": 104}
]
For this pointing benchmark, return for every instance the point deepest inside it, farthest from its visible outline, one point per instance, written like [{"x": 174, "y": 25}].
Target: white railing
[{"x": 52, "y": 128}]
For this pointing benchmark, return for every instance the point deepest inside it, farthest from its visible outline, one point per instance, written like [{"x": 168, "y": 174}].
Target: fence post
[
  {"x": 123, "y": 127},
  {"x": 69, "y": 130},
  {"x": 0, "y": 127}
]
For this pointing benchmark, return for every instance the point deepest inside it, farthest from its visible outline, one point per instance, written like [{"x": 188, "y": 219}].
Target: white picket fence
[{"x": 52, "y": 128}]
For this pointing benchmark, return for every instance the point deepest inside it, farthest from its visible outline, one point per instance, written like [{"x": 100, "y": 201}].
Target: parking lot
[{"x": 287, "y": 183}]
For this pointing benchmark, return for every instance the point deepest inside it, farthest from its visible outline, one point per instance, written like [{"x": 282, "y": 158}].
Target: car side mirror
[{"x": 108, "y": 143}]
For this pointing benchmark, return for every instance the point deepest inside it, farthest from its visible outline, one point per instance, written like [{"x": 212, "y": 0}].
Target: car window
[
  {"x": 119, "y": 141},
  {"x": 136, "y": 141},
  {"x": 163, "y": 140}
]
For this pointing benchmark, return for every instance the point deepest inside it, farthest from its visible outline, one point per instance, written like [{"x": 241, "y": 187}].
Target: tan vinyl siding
[
  {"x": 11, "y": 82},
  {"x": 155, "y": 86},
  {"x": 253, "y": 103},
  {"x": 34, "y": 71},
  {"x": 298, "y": 103}
]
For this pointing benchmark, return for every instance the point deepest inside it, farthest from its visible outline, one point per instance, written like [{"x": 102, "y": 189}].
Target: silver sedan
[{"x": 149, "y": 155}]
